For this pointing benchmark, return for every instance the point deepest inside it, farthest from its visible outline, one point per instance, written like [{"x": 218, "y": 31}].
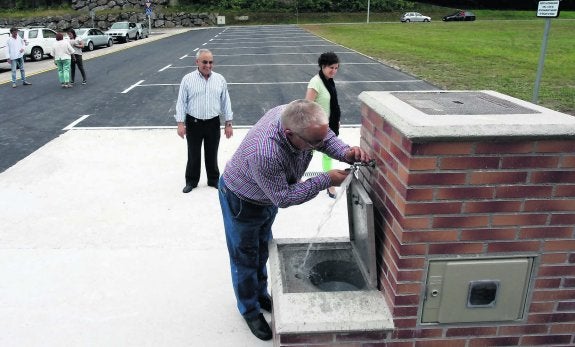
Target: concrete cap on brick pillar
[{"x": 439, "y": 115}]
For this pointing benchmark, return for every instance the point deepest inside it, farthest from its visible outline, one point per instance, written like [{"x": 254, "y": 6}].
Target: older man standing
[
  {"x": 15, "y": 56},
  {"x": 263, "y": 174},
  {"x": 202, "y": 99}
]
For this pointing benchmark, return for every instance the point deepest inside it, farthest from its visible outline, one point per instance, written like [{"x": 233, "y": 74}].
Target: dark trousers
[
  {"x": 77, "y": 60},
  {"x": 208, "y": 132}
]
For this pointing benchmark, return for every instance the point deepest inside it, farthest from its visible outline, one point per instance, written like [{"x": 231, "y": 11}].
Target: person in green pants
[{"x": 62, "y": 52}]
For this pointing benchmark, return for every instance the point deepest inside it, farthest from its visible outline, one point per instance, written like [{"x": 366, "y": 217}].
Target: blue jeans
[
  {"x": 248, "y": 230},
  {"x": 17, "y": 64}
]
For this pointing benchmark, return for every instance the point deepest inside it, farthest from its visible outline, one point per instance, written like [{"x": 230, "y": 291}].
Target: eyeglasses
[
  {"x": 206, "y": 62},
  {"x": 311, "y": 145}
]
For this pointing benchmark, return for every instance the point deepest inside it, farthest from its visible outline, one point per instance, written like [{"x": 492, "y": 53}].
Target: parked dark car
[{"x": 460, "y": 16}]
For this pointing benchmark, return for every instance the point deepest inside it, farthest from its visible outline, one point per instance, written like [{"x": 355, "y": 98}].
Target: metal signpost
[
  {"x": 368, "y": 11},
  {"x": 149, "y": 14},
  {"x": 547, "y": 10}
]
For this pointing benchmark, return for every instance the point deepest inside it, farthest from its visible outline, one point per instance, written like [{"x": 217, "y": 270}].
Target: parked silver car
[
  {"x": 124, "y": 31},
  {"x": 93, "y": 37},
  {"x": 143, "y": 30},
  {"x": 414, "y": 17}
]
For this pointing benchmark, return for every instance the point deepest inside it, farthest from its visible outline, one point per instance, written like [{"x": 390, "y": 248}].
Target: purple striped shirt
[{"x": 267, "y": 169}]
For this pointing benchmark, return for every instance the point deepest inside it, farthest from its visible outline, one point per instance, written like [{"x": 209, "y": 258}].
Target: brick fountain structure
[{"x": 474, "y": 215}]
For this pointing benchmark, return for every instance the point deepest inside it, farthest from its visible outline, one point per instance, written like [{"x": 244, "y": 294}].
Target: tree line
[{"x": 315, "y": 5}]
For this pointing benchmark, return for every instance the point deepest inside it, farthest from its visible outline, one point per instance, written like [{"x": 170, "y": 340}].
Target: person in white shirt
[
  {"x": 61, "y": 51},
  {"x": 202, "y": 100},
  {"x": 77, "y": 44},
  {"x": 15, "y": 56}
]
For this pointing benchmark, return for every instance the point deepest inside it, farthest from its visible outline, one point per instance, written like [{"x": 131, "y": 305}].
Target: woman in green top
[{"x": 321, "y": 89}]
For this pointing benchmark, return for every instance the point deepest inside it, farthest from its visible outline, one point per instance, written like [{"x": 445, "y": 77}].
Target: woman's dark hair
[
  {"x": 73, "y": 32},
  {"x": 327, "y": 58},
  {"x": 59, "y": 37}
]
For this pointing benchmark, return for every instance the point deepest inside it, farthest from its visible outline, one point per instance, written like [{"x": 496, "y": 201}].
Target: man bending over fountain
[{"x": 264, "y": 174}]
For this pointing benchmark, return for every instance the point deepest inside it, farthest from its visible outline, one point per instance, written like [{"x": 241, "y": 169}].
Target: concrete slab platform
[{"x": 99, "y": 247}]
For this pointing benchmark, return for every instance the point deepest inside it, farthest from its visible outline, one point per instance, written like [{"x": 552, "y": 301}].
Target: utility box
[
  {"x": 221, "y": 20},
  {"x": 476, "y": 290}
]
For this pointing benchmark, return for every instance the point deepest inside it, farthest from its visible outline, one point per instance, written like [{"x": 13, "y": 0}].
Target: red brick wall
[{"x": 476, "y": 197}]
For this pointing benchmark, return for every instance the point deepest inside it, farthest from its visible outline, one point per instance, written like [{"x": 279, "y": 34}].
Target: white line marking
[
  {"x": 248, "y": 47},
  {"x": 174, "y": 127},
  {"x": 251, "y": 41},
  {"x": 260, "y": 54},
  {"x": 183, "y": 57},
  {"x": 276, "y": 38},
  {"x": 133, "y": 86},
  {"x": 71, "y": 125},
  {"x": 165, "y": 67},
  {"x": 272, "y": 83},
  {"x": 205, "y": 43},
  {"x": 259, "y": 65}
]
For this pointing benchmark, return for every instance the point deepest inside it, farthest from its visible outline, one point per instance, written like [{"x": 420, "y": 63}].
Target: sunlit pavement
[{"x": 99, "y": 246}]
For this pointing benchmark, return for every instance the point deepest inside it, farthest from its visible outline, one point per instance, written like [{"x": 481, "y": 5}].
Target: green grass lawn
[{"x": 498, "y": 55}]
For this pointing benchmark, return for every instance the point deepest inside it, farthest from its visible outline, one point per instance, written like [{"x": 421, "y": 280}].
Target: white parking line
[
  {"x": 71, "y": 125},
  {"x": 278, "y": 64},
  {"x": 174, "y": 127},
  {"x": 251, "y": 41},
  {"x": 242, "y": 38},
  {"x": 165, "y": 67},
  {"x": 293, "y": 53},
  {"x": 252, "y": 47},
  {"x": 284, "y": 83},
  {"x": 133, "y": 86}
]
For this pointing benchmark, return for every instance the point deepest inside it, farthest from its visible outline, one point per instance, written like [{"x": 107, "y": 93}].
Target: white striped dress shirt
[{"x": 203, "y": 99}]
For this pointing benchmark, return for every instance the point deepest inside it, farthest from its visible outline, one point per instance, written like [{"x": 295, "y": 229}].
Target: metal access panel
[
  {"x": 361, "y": 229},
  {"x": 479, "y": 290}
]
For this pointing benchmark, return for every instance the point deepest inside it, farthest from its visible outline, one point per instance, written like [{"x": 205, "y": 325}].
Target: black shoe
[
  {"x": 260, "y": 327},
  {"x": 26, "y": 83},
  {"x": 188, "y": 188},
  {"x": 213, "y": 184},
  {"x": 265, "y": 303}
]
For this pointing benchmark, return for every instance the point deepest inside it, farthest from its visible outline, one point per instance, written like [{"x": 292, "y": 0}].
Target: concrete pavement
[{"x": 99, "y": 247}]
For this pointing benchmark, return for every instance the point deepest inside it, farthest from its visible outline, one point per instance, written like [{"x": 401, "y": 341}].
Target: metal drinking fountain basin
[{"x": 334, "y": 288}]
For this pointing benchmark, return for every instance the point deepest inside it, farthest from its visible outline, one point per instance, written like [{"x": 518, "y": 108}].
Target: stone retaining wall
[{"x": 134, "y": 13}]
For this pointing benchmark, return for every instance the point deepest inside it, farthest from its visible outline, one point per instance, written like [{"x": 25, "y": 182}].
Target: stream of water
[{"x": 325, "y": 217}]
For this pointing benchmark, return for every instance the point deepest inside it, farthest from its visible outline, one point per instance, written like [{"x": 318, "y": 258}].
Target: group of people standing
[
  {"x": 265, "y": 173},
  {"x": 67, "y": 55}
]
